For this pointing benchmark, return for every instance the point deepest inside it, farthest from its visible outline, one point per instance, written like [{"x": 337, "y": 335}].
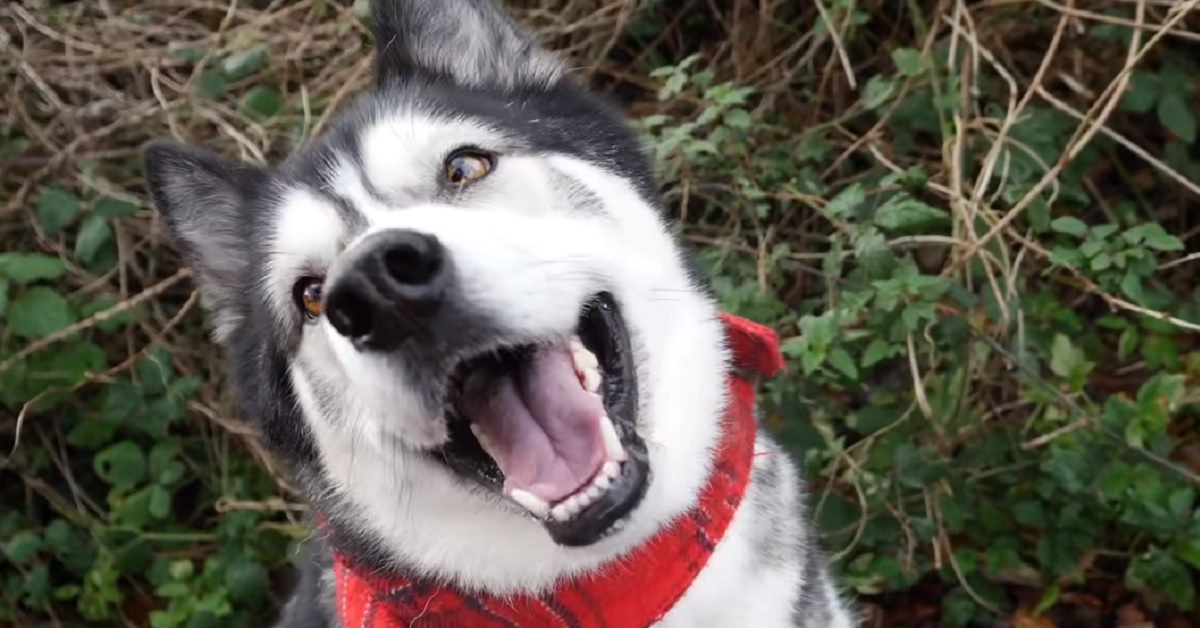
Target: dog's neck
[{"x": 634, "y": 590}]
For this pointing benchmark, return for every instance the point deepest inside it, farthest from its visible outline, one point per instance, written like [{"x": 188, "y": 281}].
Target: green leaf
[
  {"x": 23, "y": 546},
  {"x": 1142, "y": 94},
  {"x": 94, "y": 233},
  {"x": 1069, "y": 225},
  {"x": 160, "y": 502},
  {"x": 1155, "y": 237},
  {"x": 122, "y": 465},
  {"x": 1131, "y": 286},
  {"x": 846, "y": 202},
  {"x": 114, "y": 208},
  {"x": 25, "y": 268},
  {"x": 261, "y": 102},
  {"x": 1188, "y": 550},
  {"x": 3, "y": 297},
  {"x": 907, "y": 61},
  {"x": 738, "y": 118},
  {"x": 56, "y": 208},
  {"x": 878, "y": 351},
  {"x": 246, "y": 581},
  {"x": 1064, "y": 356},
  {"x": 211, "y": 84},
  {"x": 840, "y": 359},
  {"x": 186, "y": 51},
  {"x": 878, "y": 91},
  {"x": 910, "y": 215},
  {"x": 1175, "y": 113},
  {"x": 39, "y": 312},
  {"x": 243, "y": 63}
]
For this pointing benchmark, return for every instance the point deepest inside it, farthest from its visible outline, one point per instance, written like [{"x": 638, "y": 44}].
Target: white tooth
[
  {"x": 612, "y": 469},
  {"x": 560, "y": 512},
  {"x": 592, "y": 492},
  {"x": 531, "y": 502},
  {"x": 584, "y": 359},
  {"x": 612, "y": 443},
  {"x": 573, "y": 505},
  {"x": 584, "y": 499},
  {"x": 602, "y": 481},
  {"x": 591, "y": 379}
]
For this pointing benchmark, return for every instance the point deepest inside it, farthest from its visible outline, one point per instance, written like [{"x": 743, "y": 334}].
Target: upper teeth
[
  {"x": 612, "y": 443},
  {"x": 586, "y": 365}
]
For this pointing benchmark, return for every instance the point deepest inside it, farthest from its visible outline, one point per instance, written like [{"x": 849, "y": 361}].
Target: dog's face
[{"x": 461, "y": 300}]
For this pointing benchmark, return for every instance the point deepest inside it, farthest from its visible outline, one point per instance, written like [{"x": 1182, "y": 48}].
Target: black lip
[{"x": 602, "y": 330}]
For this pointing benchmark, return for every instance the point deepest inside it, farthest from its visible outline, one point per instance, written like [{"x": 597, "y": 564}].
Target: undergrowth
[{"x": 972, "y": 223}]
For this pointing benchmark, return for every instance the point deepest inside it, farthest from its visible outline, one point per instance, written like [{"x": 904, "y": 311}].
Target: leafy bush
[{"x": 970, "y": 225}]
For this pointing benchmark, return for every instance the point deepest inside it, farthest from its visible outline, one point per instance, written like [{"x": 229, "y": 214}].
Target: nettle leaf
[
  {"x": 160, "y": 502},
  {"x": 211, "y": 84},
  {"x": 94, "y": 233},
  {"x": 186, "y": 51},
  {"x": 1175, "y": 113},
  {"x": 1154, "y": 236},
  {"x": 56, "y": 208},
  {"x": 846, "y": 202},
  {"x": 878, "y": 91},
  {"x": 122, "y": 465},
  {"x": 113, "y": 208},
  {"x": 1143, "y": 92},
  {"x": 1069, "y": 225},
  {"x": 39, "y": 312},
  {"x": 262, "y": 102},
  {"x": 907, "y": 61},
  {"x": 878, "y": 351},
  {"x": 1160, "y": 571},
  {"x": 23, "y": 546},
  {"x": 840, "y": 359},
  {"x": 911, "y": 215},
  {"x": 26, "y": 268},
  {"x": 245, "y": 62},
  {"x": 1065, "y": 357},
  {"x": 246, "y": 580}
]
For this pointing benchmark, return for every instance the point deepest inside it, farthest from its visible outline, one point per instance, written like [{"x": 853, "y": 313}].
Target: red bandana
[{"x": 635, "y": 593}]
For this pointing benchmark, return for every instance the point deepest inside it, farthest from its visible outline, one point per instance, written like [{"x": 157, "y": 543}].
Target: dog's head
[{"x": 462, "y": 301}]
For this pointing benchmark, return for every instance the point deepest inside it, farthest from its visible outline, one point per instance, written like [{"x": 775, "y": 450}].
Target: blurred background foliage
[{"x": 974, "y": 223}]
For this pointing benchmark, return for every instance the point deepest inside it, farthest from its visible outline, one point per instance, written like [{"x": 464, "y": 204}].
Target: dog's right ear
[{"x": 202, "y": 198}]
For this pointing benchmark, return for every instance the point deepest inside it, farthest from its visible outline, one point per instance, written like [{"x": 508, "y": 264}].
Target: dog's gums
[{"x": 551, "y": 426}]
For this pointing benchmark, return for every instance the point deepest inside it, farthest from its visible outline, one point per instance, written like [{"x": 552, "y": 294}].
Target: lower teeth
[{"x": 573, "y": 505}]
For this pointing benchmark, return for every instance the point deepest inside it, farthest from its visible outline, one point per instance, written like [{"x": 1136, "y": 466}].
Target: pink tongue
[{"x": 540, "y": 425}]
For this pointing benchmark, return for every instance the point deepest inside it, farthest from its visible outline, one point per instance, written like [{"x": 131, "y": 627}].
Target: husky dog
[{"x": 461, "y": 319}]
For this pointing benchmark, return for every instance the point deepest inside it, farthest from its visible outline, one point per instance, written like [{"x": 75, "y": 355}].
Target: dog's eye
[
  {"x": 308, "y": 296},
  {"x": 465, "y": 167}
]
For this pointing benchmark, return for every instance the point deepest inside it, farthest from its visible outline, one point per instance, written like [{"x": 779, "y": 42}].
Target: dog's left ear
[
  {"x": 470, "y": 42},
  {"x": 203, "y": 199}
]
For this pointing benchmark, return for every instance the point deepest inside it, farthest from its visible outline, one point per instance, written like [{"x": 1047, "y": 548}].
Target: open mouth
[{"x": 551, "y": 426}]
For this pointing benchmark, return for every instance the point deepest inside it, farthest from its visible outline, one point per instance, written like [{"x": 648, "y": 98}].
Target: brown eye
[
  {"x": 308, "y": 297},
  {"x": 467, "y": 167}
]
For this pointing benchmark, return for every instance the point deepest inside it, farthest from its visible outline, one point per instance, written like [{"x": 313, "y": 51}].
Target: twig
[{"x": 96, "y": 319}]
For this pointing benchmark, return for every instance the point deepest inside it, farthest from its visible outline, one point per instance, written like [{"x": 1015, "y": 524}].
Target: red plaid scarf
[{"x": 635, "y": 591}]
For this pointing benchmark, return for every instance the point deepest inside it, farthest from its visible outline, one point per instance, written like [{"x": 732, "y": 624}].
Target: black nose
[{"x": 387, "y": 287}]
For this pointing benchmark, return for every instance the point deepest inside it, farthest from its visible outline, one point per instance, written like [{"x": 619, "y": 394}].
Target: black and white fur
[{"x": 571, "y": 208}]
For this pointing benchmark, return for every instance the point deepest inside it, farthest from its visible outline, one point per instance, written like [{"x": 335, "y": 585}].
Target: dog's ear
[
  {"x": 470, "y": 42},
  {"x": 202, "y": 198}
]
